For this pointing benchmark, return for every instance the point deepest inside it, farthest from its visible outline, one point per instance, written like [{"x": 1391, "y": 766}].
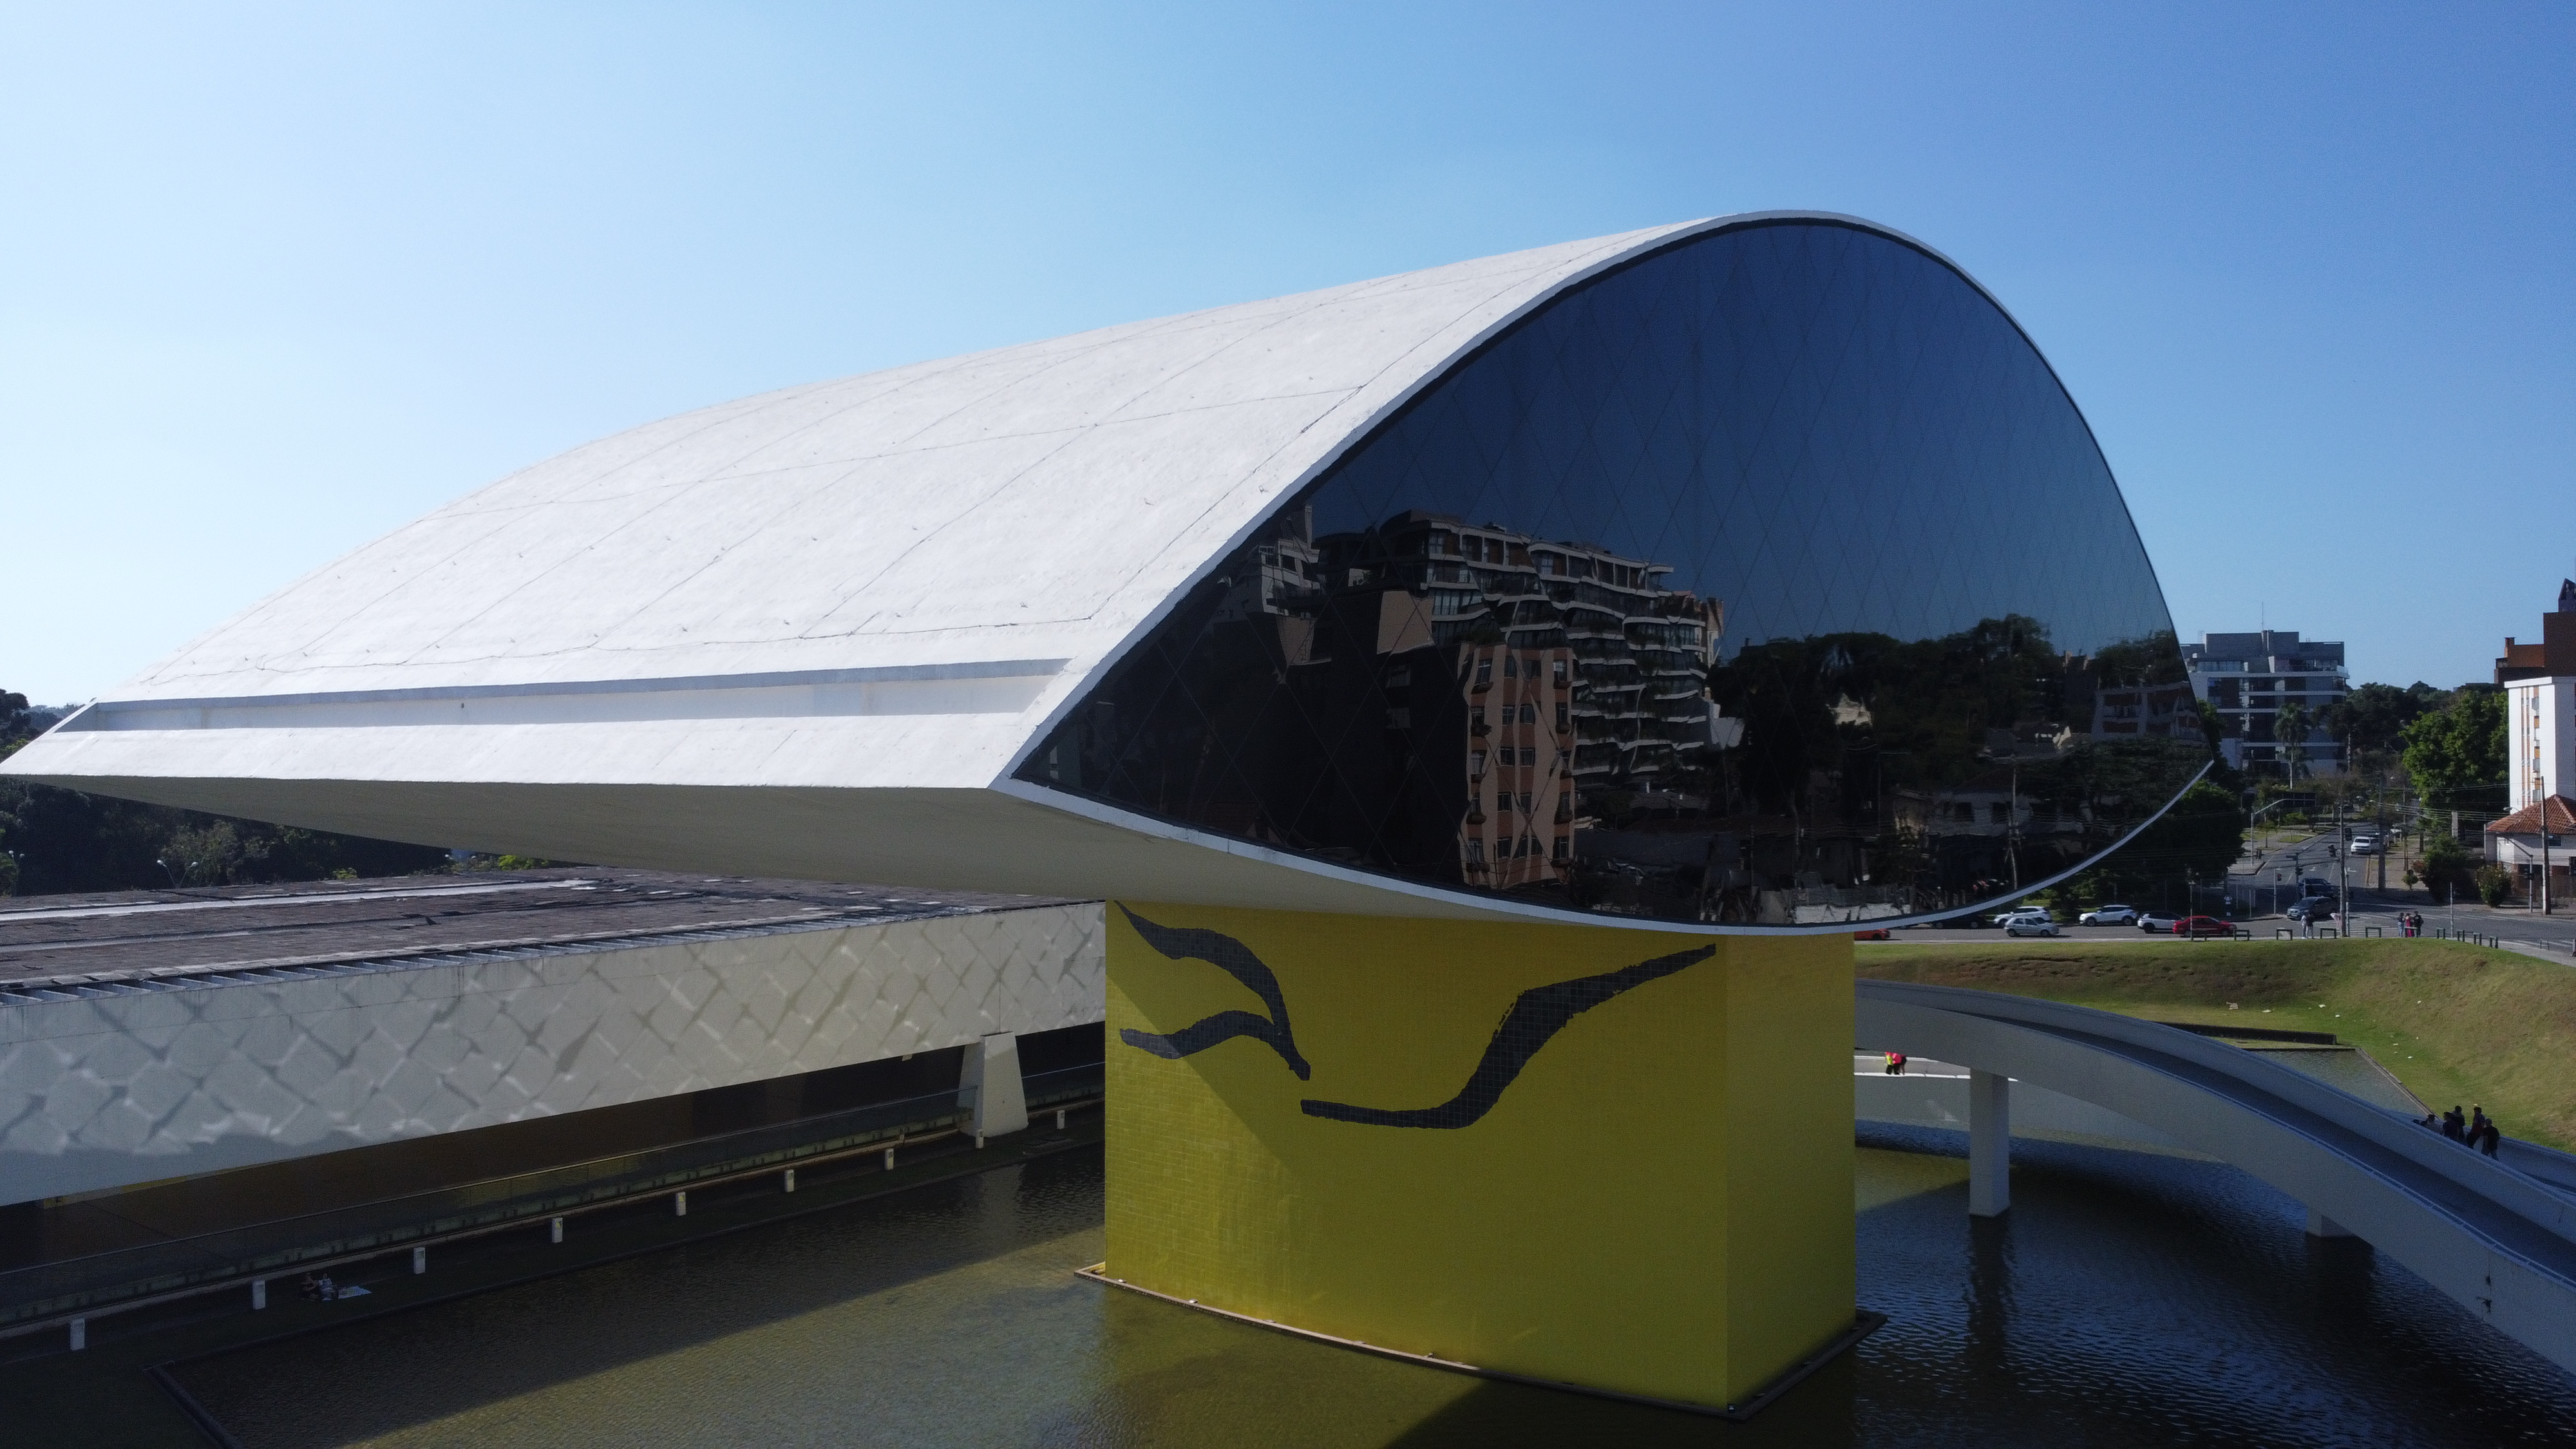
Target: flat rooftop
[{"x": 51, "y": 946}]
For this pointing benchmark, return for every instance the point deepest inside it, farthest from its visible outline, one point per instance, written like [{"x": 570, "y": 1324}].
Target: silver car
[{"x": 2036, "y": 923}]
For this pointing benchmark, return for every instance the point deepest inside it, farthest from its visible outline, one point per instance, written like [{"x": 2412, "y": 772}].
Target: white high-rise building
[{"x": 2539, "y": 681}]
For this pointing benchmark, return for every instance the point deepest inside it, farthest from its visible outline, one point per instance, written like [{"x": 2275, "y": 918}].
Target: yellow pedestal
[{"x": 1615, "y": 1159}]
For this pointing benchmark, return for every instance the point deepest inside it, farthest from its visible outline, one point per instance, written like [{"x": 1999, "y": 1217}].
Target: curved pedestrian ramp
[{"x": 2498, "y": 1235}]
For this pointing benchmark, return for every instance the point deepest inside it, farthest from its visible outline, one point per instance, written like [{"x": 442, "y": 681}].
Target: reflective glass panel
[{"x": 1768, "y": 580}]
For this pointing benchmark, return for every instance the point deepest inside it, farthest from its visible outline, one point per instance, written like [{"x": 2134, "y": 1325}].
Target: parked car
[
  {"x": 2037, "y": 923},
  {"x": 2007, "y": 917},
  {"x": 2109, "y": 916},
  {"x": 2204, "y": 926},
  {"x": 2312, "y": 910},
  {"x": 2157, "y": 923},
  {"x": 1877, "y": 935}
]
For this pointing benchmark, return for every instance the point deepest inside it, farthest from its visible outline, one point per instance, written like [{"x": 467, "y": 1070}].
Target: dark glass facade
[{"x": 1769, "y": 580}]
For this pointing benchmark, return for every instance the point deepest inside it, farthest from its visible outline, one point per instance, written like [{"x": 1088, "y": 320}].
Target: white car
[
  {"x": 2109, "y": 916},
  {"x": 2037, "y": 923},
  {"x": 2156, "y": 923},
  {"x": 2365, "y": 845}
]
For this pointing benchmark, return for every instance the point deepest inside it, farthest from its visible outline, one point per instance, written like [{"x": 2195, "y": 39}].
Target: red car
[
  {"x": 1878, "y": 935},
  {"x": 2203, "y": 926}
]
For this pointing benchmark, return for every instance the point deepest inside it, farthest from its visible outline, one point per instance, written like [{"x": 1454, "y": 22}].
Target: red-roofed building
[{"x": 2516, "y": 842}]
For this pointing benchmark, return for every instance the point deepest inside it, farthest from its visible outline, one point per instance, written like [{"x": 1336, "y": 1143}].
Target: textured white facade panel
[
  {"x": 1040, "y": 500},
  {"x": 107, "y": 1091}
]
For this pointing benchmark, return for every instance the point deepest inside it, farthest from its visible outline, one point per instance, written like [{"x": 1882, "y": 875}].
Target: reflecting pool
[{"x": 2129, "y": 1299}]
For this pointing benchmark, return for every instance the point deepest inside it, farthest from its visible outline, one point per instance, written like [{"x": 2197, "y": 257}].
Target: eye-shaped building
[
  {"x": 1750, "y": 574},
  {"x": 1604, "y": 609}
]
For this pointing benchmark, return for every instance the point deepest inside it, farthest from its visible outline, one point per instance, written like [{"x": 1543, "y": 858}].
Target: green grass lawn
[{"x": 2456, "y": 1023}]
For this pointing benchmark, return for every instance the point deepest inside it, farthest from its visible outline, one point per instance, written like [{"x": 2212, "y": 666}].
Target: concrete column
[
  {"x": 1419, "y": 1186},
  {"x": 2321, "y": 1226},
  {"x": 258, "y": 1294},
  {"x": 420, "y": 1260},
  {"x": 989, "y": 1087},
  {"x": 1989, "y": 1143}
]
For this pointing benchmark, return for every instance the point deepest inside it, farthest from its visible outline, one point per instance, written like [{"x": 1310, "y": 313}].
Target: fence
[{"x": 44, "y": 1291}]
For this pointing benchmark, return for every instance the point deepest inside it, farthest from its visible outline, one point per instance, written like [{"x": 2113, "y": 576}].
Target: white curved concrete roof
[{"x": 861, "y": 599}]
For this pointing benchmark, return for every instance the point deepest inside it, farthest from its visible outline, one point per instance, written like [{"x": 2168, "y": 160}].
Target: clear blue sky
[{"x": 275, "y": 279}]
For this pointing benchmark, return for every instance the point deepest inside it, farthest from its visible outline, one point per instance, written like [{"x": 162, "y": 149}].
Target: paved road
[{"x": 2551, "y": 937}]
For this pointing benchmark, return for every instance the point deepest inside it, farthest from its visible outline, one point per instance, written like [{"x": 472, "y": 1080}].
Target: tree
[
  {"x": 2448, "y": 871},
  {"x": 21, "y": 722},
  {"x": 2459, "y": 748},
  {"x": 2372, "y": 717},
  {"x": 54, "y": 841},
  {"x": 2290, "y": 731},
  {"x": 2495, "y": 884}
]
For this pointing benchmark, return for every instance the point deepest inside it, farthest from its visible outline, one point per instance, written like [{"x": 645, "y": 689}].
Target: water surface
[{"x": 2128, "y": 1299}]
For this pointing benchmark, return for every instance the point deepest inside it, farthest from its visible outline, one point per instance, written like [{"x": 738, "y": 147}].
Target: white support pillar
[
  {"x": 2321, "y": 1226},
  {"x": 1989, "y": 1143},
  {"x": 258, "y": 1294},
  {"x": 989, "y": 1087}
]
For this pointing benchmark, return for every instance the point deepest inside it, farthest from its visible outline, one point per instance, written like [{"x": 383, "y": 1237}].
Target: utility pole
[
  {"x": 2343, "y": 870},
  {"x": 2382, "y": 795}
]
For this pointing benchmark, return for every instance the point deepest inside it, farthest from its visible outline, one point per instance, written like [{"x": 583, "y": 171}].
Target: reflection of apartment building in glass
[
  {"x": 1519, "y": 826},
  {"x": 2252, "y": 677},
  {"x": 1639, "y": 652},
  {"x": 1563, "y": 664},
  {"x": 1578, "y": 667}
]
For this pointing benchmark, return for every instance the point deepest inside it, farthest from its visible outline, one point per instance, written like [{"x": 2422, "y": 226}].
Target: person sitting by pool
[{"x": 309, "y": 1288}]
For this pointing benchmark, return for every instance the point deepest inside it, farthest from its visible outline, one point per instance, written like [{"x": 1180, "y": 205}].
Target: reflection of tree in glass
[
  {"x": 1935, "y": 702},
  {"x": 2194, "y": 842},
  {"x": 2155, "y": 659},
  {"x": 1960, "y": 761}
]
